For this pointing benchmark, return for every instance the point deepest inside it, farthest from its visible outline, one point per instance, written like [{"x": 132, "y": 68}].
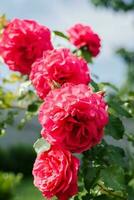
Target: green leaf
[
  {"x": 95, "y": 86},
  {"x": 41, "y": 145},
  {"x": 32, "y": 107},
  {"x": 115, "y": 127},
  {"x": 109, "y": 85},
  {"x": 103, "y": 197},
  {"x": 130, "y": 137},
  {"x": 60, "y": 34},
  {"x": 91, "y": 175},
  {"x": 114, "y": 155},
  {"x": 86, "y": 197},
  {"x": 131, "y": 183},
  {"x": 117, "y": 107},
  {"x": 113, "y": 177},
  {"x": 130, "y": 191},
  {"x": 84, "y": 52},
  {"x": 2, "y": 132}
]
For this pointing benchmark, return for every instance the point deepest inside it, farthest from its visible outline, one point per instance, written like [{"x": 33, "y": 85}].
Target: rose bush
[
  {"x": 55, "y": 173},
  {"x": 73, "y": 114}
]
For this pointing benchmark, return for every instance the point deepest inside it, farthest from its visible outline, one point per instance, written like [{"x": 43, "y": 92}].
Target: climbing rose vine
[
  {"x": 72, "y": 116},
  {"x": 73, "y": 158}
]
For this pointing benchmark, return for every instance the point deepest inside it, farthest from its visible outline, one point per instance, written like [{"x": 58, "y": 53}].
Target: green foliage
[
  {"x": 115, "y": 4},
  {"x": 128, "y": 57},
  {"x": 18, "y": 159},
  {"x": 115, "y": 127},
  {"x": 27, "y": 191},
  {"x": 105, "y": 173},
  {"x": 8, "y": 182}
]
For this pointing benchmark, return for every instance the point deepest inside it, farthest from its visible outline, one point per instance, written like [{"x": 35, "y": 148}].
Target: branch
[{"x": 110, "y": 193}]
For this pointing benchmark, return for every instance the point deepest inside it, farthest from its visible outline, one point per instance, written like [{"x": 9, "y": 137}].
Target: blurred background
[{"x": 113, "y": 20}]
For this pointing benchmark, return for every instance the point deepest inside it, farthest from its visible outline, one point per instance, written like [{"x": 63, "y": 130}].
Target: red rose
[
  {"x": 22, "y": 42},
  {"x": 73, "y": 117},
  {"x": 55, "y": 173},
  {"x": 58, "y": 66},
  {"x": 83, "y": 36}
]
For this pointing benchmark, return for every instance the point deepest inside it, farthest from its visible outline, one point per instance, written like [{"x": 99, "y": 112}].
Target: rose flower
[
  {"x": 55, "y": 173},
  {"x": 73, "y": 117},
  {"x": 58, "y": 67},
  {"x": 22, "y": 42},
  {"x": 83, "y": 36}
]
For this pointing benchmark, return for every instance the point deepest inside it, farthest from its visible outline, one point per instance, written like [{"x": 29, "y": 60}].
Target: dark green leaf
[
  {"x": 84, "y": 52},
  {"x": 95, "y": 86},
  {"x": 130, "y": 193},
  {"x": 33, "y": 107},
  {"x": 114, "y": 155},
  {"x": 113, "y": 177},
  {"x": 91, "y": 175},
  {"x": 115, "y": 127},
  {"x": 103, "y": 197}
]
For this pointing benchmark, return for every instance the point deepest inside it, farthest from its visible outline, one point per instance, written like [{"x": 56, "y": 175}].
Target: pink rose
[
  {"x": 83, "y": 36},
  {"x": 73, "y": 117},
  {"x": 58, "y": 67},
  {"x": 55, "y": 173},
  {"x": 22, "y": 42}
]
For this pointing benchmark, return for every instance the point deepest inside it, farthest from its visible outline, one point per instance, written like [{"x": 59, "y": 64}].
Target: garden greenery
[{"x": 81, "y": 153}]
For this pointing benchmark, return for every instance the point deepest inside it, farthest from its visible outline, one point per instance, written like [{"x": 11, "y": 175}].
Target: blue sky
[{"x": 115, "y": 29}]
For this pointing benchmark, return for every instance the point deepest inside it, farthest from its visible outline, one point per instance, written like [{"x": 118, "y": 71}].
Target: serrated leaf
[
  {"x": 41, "y": 145},
  {"x": 115, "y": 127},
  {"x": 113, "y": 177}
]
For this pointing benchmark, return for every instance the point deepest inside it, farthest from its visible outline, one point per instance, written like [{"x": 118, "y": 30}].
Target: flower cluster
[{"x": 72, "y": 115}]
